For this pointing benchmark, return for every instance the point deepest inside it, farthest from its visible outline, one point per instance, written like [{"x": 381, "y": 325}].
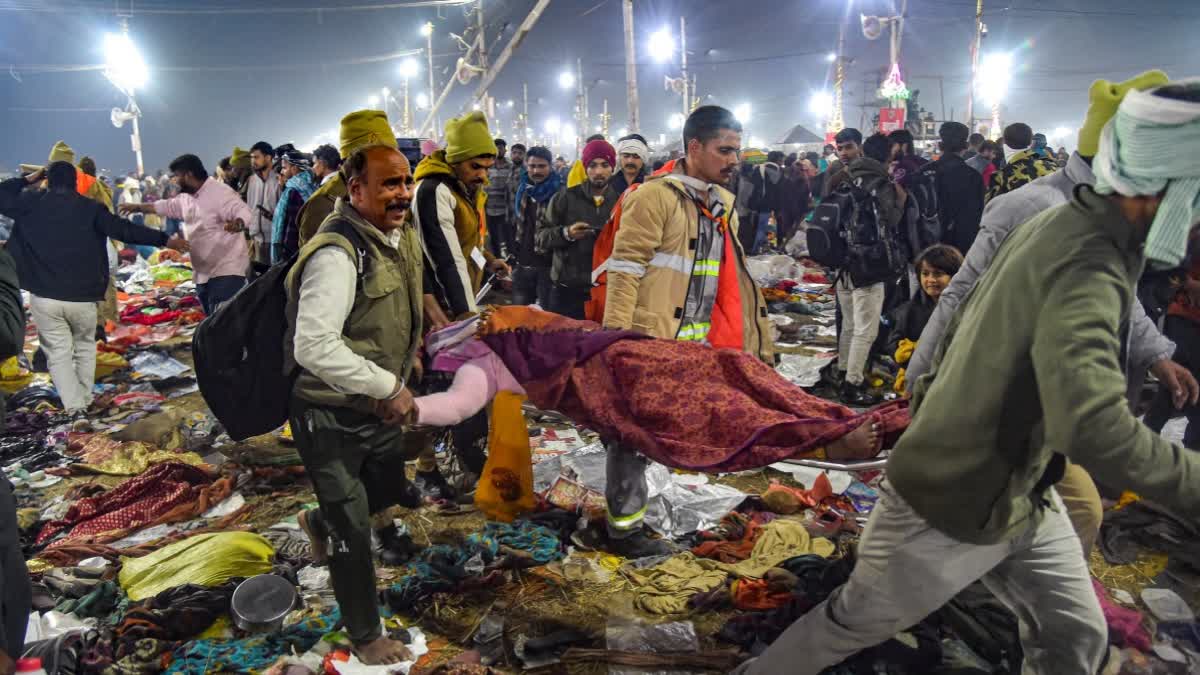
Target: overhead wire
[{"x": 17, "y": 6}]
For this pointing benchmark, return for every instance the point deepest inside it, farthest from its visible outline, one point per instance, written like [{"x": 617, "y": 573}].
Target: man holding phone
[{"x": 569, "y": 227}]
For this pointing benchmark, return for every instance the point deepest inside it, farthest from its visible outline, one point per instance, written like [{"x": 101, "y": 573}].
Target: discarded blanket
[
  {"x": 205, "y": 560},
  {"x": 667, "y": 588},
  {"x": 442, "y": 568},
  {"x": 252, "y": 654},
  {"x": 175, "y": 614},
  {"x": 102, "y": 454},
  {"x": 739, "y": 413},
  {"x": 165, "y": 493}
]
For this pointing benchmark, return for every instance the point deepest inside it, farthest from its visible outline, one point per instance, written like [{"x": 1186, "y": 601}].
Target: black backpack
[
  {"x": 924, "y": 226},
  {"x": 873, "y": 251},
  {"x": 825, "y": 235},
  {"x": 239, "y": 351}
]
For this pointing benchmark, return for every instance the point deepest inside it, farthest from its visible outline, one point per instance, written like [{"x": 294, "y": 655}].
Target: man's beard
[{"x": 599, "y": 184}]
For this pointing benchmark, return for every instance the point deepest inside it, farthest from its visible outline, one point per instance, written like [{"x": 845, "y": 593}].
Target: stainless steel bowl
[{"x": 260, "y": 603}]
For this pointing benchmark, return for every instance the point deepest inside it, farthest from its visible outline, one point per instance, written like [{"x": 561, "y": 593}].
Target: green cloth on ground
[
  {"x": 205, "y": 559},
  {"x": 667, "y": 588}
]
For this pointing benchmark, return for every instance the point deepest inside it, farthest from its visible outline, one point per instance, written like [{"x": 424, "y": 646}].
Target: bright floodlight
[
  {"x": 568, "y": 131},
  {"x": 426, "y": 29},
  {"x": 756, "y": 142},
  {"x": 408, "y": 68},
  {"x": 662, "y": 45},
  {"x": 676, "y": 121},
  {"x": 422, "y": 100},
  {"x": 742, "y": 112},
  {"x": 373, "y": 100},
  {"x": 386, "y": 92},
  {"x": 510, "y": 103},
  {"x": 821, "y": 103},
  {"x": 623, "y": 131},
  {"x": 566, "y": 79},
  {"x": 123, "y": 64},
  {"x": 553, "y": 125},
  {"x": 831, "y": 57},
  {"x": 476, "y": 106},
  {"x": 994, "y": 75},
  {"x": 1062, "y": 132}
]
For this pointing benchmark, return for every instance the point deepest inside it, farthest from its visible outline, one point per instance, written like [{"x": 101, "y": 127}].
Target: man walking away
[
  {"x": 1022, "y": 164},
  {"x": 446, "y": 209},
  {"x": 531, "y": 280},
  {"x": 632, "y": 155},
  {"x": 959, "y": 189},
  {"x": 500, "y": 203},
  {"x": 568, "y": 230},
  {"x": 678, "y": 272},
  {"x": 861, "y": 305},
  {"x": 356, "y": 336},
  {"x": 216, "y": 220},
  {"x": 974, "y": 145},
  {"x": 59, "y": 243},
  {"x": 968, "y": 494},
  {"x": 262, "y": 193},
  {"x": 326, "y": 162}
]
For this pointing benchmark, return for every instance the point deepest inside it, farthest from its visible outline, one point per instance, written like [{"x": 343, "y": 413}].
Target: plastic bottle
[{"x": 32, "y": 666}]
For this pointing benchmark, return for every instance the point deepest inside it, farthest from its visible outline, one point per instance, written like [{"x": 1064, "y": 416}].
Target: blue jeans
[
  {"x": 218, "y": 290},
  {"x": 764, "y": 228},
  {"x": 173, "y": 227}
]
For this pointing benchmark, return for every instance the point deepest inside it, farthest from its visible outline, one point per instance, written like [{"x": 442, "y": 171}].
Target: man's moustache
[{"x": 399, "y": 204}]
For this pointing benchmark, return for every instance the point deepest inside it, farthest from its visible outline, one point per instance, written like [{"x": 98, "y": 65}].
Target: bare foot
[
  {"x": 318, "y": 544},
  {"x": 862, "y": 443},
  {"x": 383, "y": 651}
]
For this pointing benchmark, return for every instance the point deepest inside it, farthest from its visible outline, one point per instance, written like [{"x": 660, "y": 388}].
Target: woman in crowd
[
  {"x": 935, "y": 267},
  {"x": 683, "y": 404}
]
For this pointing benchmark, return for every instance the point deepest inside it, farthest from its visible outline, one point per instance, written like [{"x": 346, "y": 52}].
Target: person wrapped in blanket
[
  {"x": 685, "y": 405},
  {"x": 935, "y": 267}
]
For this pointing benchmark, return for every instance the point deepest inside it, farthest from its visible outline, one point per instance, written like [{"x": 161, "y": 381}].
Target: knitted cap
[
  {"x": 599, "y": 149},
  {"x": 1104, "y": 97},
  {"x": 61, "y": 152},
  {"x": 468, "y": 137},
  {"x": 363, "y": 128}
]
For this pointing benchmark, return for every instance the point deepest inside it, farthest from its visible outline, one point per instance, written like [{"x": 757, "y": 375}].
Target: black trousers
[
  {"x": 16, "y": 595},
  {"x": 501, "y": 237},
  {"x": 1186, "y": 335},
  {"x": 569, "y": 300},
  {"x": 356, "y": 464},
  {"x": 532, "y": 285}
]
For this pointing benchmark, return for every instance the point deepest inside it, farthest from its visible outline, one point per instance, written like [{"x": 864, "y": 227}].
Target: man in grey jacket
[{"x": 1148, "y": 349}]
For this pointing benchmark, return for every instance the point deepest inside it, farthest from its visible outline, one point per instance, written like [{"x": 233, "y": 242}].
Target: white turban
[{"x": 632, "y": 146}]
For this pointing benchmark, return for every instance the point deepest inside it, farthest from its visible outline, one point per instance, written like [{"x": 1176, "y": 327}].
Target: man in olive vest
[{"x": 355, "y": 312}]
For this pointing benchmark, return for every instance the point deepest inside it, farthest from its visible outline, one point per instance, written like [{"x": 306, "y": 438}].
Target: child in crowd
[{"x": 935, "y": 266}]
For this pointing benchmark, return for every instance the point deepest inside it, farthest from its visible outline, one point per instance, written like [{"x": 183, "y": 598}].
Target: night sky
[{"x": 224, "y": 79}]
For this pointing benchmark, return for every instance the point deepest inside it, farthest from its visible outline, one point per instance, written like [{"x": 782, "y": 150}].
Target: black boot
[
  {"x": 639, "y": 545},
  {"x": 396, "y": 548},
  {"x": 432, "y": 484},
  {"x": 858, "y": 396}
]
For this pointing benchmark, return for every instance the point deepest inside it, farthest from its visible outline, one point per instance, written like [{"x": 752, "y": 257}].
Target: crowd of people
[{"x": 1000, "y": 276}]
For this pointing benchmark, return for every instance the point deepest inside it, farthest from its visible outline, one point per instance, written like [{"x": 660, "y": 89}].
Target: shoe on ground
[
  {"x": 639, "y": 545},
  {"x": 433, "y": 486},
  {"x": 858, "y": 396},
  {"x": 396, "y": 548}
]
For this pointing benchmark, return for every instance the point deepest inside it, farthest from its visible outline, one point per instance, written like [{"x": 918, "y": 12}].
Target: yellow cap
[
  {"x": 1103, "y": 99},
  {"x": 61, "y": 152},
  {"x": 363, "y": 128}
]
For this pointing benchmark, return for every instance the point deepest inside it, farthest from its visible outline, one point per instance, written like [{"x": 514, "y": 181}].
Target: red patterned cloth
[
  {"x": 163, "y": 493},
  {"x": 682, "y": 404}
]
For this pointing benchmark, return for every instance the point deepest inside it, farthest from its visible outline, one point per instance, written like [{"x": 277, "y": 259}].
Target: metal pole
[
  {"x": 137, "y": 138},
  {"x": 445, "y": 92},
  {"x": 429, "y": 52},
  {"x": 836, "y": 123},
  {"x": 525, "y": 115},
  {"x": 487, "y": 101},
  {"x": 687, "y": 100},
  {"x": 630, "y": 67},
  {"x": 942, "y": 95},
  {"x": 975, "y": 46},
  {"x": 407, "y": 115},
  {"x": 604, "y": 119},
  {"x": 517, "y": 39}
]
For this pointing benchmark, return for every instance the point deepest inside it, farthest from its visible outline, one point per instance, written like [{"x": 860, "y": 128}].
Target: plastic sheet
[
  {"x": 631, "y": 635},
  {"x": 769, "y": 270},
  {"x": 679, "y": 509},
  {"x": 1166, "y": 605},
  {"x": 802, "y": 370},
  {"x": 156, "y": 365}
]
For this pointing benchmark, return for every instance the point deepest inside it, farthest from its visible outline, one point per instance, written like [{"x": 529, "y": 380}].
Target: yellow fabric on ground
[
  {"x": 108, "y": 363},
  {"x": 131, "y": 459},
  {"x": 205, "y": 559},
  {"x": 13, "y": 377},
  {"x": 666, "y": 588}
]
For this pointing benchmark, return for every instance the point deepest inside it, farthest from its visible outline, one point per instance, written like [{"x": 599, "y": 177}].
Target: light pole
[
  {"x": 408, "y": 68},
  {"x": 427, "y": 31},
  {"x": 124, "y": 67},
  {"x": 631, "y": 90}
]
